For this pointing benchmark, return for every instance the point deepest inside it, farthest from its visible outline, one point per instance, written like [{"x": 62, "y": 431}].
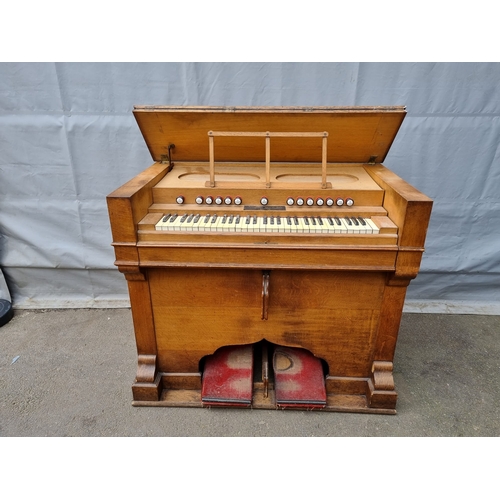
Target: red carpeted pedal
[
  {"x": 228, "y": 377},
  {"x": 298, "y": 379}
]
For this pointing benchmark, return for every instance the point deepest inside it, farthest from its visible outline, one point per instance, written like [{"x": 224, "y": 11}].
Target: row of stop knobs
[{"x": 228, "y": 200}]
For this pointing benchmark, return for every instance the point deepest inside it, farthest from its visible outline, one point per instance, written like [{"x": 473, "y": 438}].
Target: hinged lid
[{"x": 355, "y": 134}]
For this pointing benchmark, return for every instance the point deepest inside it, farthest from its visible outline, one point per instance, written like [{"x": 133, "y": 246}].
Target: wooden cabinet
[{"x": 338, "y": 295}]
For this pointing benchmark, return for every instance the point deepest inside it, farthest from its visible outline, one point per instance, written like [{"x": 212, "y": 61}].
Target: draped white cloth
[{"x": 68, "y": 138}]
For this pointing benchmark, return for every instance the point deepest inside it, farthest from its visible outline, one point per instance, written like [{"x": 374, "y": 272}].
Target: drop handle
[{"x": 265, "y": 294}]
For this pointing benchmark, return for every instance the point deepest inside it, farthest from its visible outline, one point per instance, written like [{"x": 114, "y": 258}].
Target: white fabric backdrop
[{"x": 68, "y": 138}]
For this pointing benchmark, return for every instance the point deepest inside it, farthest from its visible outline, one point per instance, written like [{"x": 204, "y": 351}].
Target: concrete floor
[{"x": 69, "y": 373}]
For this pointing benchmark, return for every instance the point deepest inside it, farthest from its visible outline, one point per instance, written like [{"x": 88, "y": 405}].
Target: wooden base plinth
[{"x": 363, "y": 400}]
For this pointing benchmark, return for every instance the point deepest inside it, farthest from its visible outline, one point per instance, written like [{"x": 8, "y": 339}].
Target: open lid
[{"x": 355, "y": 134}]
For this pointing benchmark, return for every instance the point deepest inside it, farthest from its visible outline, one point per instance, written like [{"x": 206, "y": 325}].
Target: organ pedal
[{"x": 297, "y": 376}]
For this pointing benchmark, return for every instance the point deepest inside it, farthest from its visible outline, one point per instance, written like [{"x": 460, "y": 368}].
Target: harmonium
[{"x": 267, "y": 253}]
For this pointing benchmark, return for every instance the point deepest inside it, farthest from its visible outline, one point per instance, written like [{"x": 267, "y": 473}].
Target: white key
[
  {"x": 314, "y": 226},
  {"x": 287, "y": 224},
  {"x": 235, "y": 219},
  {"x": 254, "y": 224},
  {"x": 330, "y": 224},
  {"x": 359, "y": 228},
  {"x": 169, "y": 225},
  {"x": 187, "y": 225},
  {"x": 298, "y": 225},
  {"x": 340, "y": 226},
  {"x": 374, "y": 227},
  {"x": 159, "y": 226},
  {"x": 178, "y": 222},
  {"x": 237, "y": 223},
  {"x": 291, "y": 225},
  {"x": 204, "y": 223},
  {"x": 226, "y": 224},
  {"x": 351, "y": 228},
  {"x": 272, "y": 224},
  {"x": 364, "y": 227},
  {"x": 261, "y": 227},
  {"x": 280, "y": 224},
  {"x": 196, "y": 222},
  {"x": 245, "y": 224},
  {"x": 322, "y": 224},
  {"x": 212, "y": 224},
  {"x": 307, "y": 224},
  {"x": 221, "y": 222}
]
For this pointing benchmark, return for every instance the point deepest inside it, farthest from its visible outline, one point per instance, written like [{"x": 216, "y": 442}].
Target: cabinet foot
[
  {"x": 147, "y": 385},
  {"x": 381, "y": 393}
]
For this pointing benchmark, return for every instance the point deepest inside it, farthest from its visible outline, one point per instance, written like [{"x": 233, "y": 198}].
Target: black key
[
  {"x": 265, "y": 220},
  {"x": 289, "y": 220},
  {"x": 272, "y": 220},
  {"x": 247, "y": 221},
  {"x": 196, "y": 218},
  {"x": 330, "y": 221},
  {"x": 183, "y": 218},
  {"x": 337, "y": 221},
  {"x": 296, "y": 221},
  {"x": 278, "y": 220},
  {"x": 214, "y": 219},
  {"x": 355, "y": 221},
  {"x": 173, "y": 217},
  {"x": 349, "y": 223},
  {"x": 320, "y": 221},
  {"x": 306, "y": 221},
  {"x": 363, "y": 222},
  {"x": 207, "y": 218},
  {"x": 190, "y": 218},
  {"x": 224, "y": 218}
]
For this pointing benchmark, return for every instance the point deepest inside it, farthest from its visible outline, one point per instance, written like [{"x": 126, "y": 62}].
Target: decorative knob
[
  {"x": 228, "y": 200},
  {"x": 218, "y": 200},
  {"x": 300, "y": 201},
  {"x": 199, "y": 200},
  {"x": 264, "y": 201},
  {"x": 329, "y": 202},
  {"x": 290, "y": 202},
  {"x": 180, "y": 200},
  {"x": 238, "y": 201},
  {"x": 319, "y": 202},
  {"x": 349, "y": 202},
  {"x": 339, "y": 202},
  {"x": 310, "y": 202},
  {"x": 209, "y": 200}
]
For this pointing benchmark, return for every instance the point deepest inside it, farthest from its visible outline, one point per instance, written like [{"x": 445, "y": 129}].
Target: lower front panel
[{"x": 335, "y": 315}]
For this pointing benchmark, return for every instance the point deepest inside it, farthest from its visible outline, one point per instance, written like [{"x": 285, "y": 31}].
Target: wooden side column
[
  {"x": 381, "y": 392},
  {"x": 147, "y": 385},
  {"x": 390, "y": 317}
]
